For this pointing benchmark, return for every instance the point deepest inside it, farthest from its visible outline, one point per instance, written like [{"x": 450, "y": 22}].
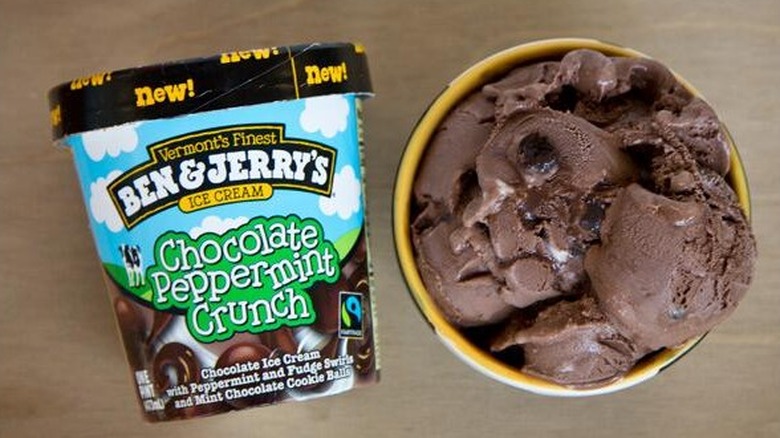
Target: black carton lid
[{"x": 204, "y": 84}]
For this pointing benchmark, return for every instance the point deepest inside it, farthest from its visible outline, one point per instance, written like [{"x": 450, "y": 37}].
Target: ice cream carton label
[{"x": 233, "y": 243}]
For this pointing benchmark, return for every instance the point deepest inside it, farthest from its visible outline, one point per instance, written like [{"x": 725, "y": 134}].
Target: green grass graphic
[
  {"x": 119, "y": 275},
  {"x": 345, "y": 243}
]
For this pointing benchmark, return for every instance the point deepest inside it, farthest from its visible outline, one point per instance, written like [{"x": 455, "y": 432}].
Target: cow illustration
[{"x": 134, "y": 264}]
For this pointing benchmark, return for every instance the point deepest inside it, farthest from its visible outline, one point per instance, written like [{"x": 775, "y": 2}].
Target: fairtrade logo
[{"x": 351, "y": 320}]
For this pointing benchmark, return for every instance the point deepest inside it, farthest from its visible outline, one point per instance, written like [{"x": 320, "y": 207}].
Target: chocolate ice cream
[{"x": 576, "y": 212}]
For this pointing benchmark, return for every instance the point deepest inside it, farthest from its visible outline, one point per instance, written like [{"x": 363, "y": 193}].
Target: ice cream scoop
[
  {"x": 667, "y": 270},
  {"x": 587, "y": 223},
  {"x": 572, "y": 343}
]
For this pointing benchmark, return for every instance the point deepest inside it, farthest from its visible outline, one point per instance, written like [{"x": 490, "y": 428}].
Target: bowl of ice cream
[{"x": 571, "y": 217}]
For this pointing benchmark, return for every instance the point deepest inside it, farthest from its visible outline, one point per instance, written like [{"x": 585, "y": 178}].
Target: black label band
[{"x": 227, "y": 80}]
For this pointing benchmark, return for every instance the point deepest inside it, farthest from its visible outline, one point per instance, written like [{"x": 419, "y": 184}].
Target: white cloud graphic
[
  {"x": 100, "y": 205},
  {"x": 327, "y": 114},
  {"x": 215, "y": 224},
  {"x": 112, "y": 141},
  {"x": 344, "y": 200}
]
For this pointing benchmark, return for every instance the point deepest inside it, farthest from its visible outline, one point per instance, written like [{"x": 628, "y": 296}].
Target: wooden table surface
[{"x": 62, "y": 372}]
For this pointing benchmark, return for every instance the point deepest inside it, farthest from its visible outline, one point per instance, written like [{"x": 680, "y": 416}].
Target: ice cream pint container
[
  {"x": 476, "y": 316},
  {"x": 226, "y": 203}
]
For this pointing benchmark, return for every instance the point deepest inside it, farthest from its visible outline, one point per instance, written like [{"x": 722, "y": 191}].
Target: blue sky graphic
[{"x": 283, "y": 202}]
